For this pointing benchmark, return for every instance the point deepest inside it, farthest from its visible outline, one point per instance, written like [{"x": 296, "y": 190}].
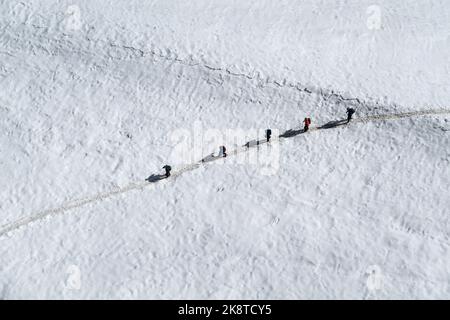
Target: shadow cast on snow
[
  {"x": 211, "y": 157},
  {"x": 333, "y": 124},
  {"x": 291, "y": 133},
  {"x": 156, "y": 177},
  {"x": 254, "y": 143}
]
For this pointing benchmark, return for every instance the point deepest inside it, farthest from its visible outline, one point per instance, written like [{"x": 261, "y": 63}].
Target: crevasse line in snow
[{"x": 107, "y": 49}]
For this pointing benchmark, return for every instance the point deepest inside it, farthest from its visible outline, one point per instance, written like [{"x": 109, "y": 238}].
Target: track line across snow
[{"x": 7, "y": 228}]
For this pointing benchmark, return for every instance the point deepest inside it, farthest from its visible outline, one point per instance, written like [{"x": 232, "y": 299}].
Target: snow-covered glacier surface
[{"x": 95, "y": 96}]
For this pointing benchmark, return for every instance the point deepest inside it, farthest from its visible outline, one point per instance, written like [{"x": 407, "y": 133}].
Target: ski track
[{"x": 9, "y": 227}]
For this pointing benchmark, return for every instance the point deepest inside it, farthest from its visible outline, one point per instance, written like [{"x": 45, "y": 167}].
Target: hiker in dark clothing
[
  {"x": 268, "y": 134},
  {"x": 223, "y": 151},
  {"x": 307, "y": 122},
  {"x": 168, "y": 169},
  {"x": 350, "y": 112}
]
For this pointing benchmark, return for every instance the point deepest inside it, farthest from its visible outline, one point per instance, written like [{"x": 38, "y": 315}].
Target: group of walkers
[{"x": 307, "y": 123}]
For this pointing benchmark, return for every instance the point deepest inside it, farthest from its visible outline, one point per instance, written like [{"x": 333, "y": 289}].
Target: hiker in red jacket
[{"x": 307, "y": 122}]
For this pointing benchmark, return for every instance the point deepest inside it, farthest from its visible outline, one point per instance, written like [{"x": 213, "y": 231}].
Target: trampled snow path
[{"x": 5, "y": 229}]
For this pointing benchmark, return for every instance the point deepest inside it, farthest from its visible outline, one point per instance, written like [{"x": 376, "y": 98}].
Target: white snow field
[{"x": 94, "y": 95}]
